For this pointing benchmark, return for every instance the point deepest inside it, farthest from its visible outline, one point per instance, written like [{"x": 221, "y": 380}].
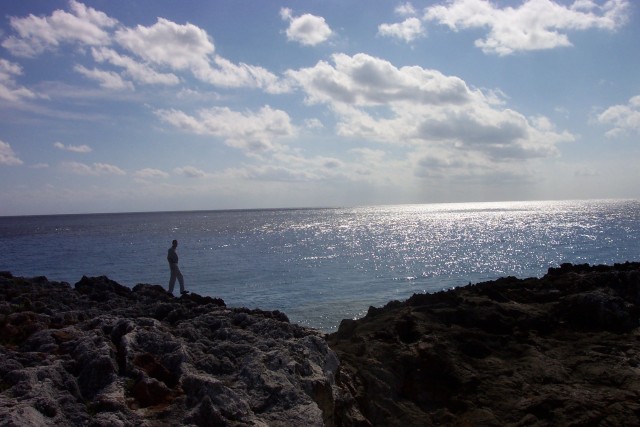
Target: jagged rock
[
  {"x": 560, "y": 350},
  {"x": 103, "y": 354}
]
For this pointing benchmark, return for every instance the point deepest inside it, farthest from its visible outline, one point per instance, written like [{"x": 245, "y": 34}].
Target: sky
[{"x": 158, "y": 105}]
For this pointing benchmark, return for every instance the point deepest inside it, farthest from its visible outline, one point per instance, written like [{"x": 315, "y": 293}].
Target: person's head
[{"x": 174, "y": 243}]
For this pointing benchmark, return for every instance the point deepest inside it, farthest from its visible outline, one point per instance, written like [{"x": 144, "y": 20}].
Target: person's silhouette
[{"x": 172, "y": 257}]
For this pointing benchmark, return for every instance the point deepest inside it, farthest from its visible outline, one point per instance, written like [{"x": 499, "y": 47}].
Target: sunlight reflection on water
[{"x": 322, "y": 265}]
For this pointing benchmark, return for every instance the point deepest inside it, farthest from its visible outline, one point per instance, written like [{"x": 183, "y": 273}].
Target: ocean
[{"x": 320, "y": 266}]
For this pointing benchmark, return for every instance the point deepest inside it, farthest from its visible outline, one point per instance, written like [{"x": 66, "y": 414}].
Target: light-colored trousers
[{"x": 175, "y": 273}]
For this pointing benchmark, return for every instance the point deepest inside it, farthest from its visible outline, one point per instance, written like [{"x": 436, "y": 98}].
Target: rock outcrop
[
  {"x": 560, "y": 350},
  {"x": 106, "y": 355},
  {"x": 563, "y": 349}
]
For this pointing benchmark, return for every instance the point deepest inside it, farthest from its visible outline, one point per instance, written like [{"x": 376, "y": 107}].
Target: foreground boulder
[
  {"x": 106, "y": 355},
  {"x": 560, "y": 350}
]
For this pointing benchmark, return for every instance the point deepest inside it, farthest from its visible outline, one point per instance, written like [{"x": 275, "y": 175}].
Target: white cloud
[
  {"x": 94, "y": 170},
  {"x": 7, "y": 156},
  {"x": 190, "y": 172},
  {"x": 307, "y": 29},
  {"x": 189, "y": 48},
  {"x": 150, "y": 173},
  {"x": 106, "y": 79},
  {"x": 228, "y": 74},
  {"x": 623, "y": 118},
  {"x": 363, "y": 80},
  {"x": 83, "y": 25},
  {"x": 139, "y": 72},
  {"x": 166, "y": 43},
  {"x": 73, "y": 148},
  {"x": 376, "y": 101},
  {"x": 163, "y": 45},
  {"x": 252, "y": 131},
  {"x": 407, "y": 30},
  {"x": 534, "y": 25},
  {"x": 9, "y": 89},
  {"x": 406, "y": 9}
]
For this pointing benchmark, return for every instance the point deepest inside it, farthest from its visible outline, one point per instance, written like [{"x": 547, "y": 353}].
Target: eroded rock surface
[
  {"x": 101, "y": 354},
  {"x": 560, "y": 350}
]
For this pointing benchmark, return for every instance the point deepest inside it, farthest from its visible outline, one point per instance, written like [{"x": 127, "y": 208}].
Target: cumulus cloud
[
  {"x": 375, "y": 100},
  {"x": 83, "y": 25},
  {"x": 228, "y": 74},
  {"x": 139, "y": 72},
  {"x": 154, "y": 49},
  {"x": 407, "y": 30},
  {"x": 307, "y": 29},
  {"x": 252, "y": 131},
  {"x": 189, "y": 48},
  {"x": 9, "y": 89},
  {"x": 624, "y": 118},
  {"x": 169, "y": 44},
  {"x": 106, "y": 79},
  {"x": 73, "y": 148},
  {"x": 7, "y": 155},
  {"x": 364, "y": 80},
  {"x": 94, "y": 170},
  {"x": 534, "y": 25}
]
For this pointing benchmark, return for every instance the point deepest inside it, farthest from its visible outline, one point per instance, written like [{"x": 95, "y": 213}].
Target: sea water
[{"x": 320, "y": 266}]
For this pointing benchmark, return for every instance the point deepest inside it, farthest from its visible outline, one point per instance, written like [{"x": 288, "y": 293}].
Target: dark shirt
[{"x": 172, "y": 256}]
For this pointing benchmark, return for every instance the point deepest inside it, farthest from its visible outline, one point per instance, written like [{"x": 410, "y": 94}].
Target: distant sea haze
[{"x": 320, "y": 266}]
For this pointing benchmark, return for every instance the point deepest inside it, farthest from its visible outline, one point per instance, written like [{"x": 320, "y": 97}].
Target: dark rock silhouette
[{"x": 560, "y": 350}]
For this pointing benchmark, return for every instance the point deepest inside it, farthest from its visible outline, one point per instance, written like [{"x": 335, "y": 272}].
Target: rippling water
[{"x": 322, "y": 265}]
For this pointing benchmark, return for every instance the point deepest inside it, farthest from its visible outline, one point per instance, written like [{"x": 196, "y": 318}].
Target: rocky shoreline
[{"x": 563, "y": 349}]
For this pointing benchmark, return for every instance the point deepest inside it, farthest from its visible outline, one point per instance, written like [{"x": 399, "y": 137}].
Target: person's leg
[
  {"x": 172, "y": 279},
  {"x": 180, "y": 279}
]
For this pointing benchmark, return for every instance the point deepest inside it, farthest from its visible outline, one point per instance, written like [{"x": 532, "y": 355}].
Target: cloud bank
[{"x": 375, "y": 100}]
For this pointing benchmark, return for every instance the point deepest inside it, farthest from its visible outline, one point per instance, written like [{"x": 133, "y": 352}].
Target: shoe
[{"x": 184, "y": 292}]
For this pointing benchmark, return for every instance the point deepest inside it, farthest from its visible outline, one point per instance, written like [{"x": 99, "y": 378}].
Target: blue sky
[{"x": 161, "y": 105}]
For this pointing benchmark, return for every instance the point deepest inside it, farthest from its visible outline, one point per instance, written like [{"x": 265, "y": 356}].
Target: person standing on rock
[{"x": 172, "y": 257}]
